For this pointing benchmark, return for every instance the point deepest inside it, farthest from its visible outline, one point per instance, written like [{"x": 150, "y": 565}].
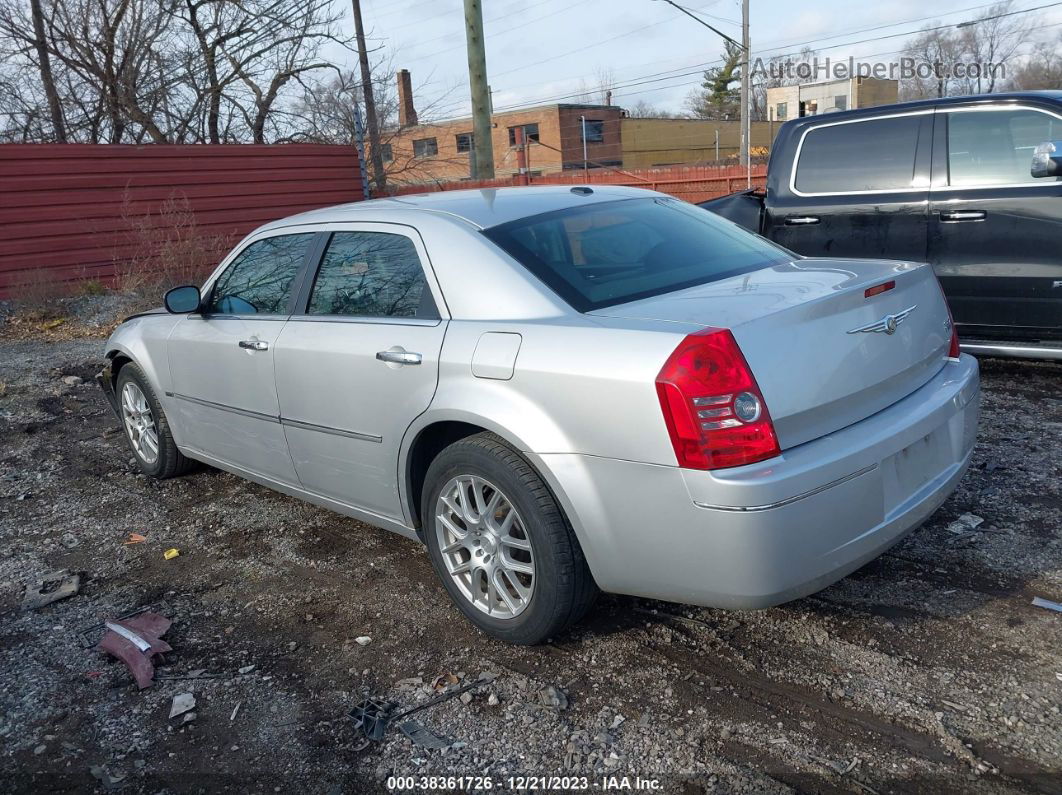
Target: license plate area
[{"x": 913, "y": 468}]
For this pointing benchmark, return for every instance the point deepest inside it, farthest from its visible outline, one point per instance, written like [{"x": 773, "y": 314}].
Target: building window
[
  {"x": 464, "y": 142},
  {"x": 840, "y": 102},
  {"x": 780, "y": 110},
  {"x": 385, "y": 153},
  {"x": 425, "y": 147},
  {"x": 594, "y": 130},
  {"x": 530, "y": 133}
]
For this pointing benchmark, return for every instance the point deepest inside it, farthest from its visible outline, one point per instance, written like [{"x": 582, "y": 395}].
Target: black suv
[{"x": 970, "y": 184}]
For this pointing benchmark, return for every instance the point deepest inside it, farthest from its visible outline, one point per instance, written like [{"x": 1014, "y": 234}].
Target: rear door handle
[
  {"x": 399, "y": 357},
  {"x": 958, "y": 216},
  {"x": 801, "y": 220},
  {"x": 254, "y": 345}
]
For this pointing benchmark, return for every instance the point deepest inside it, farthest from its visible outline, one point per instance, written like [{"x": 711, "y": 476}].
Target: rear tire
[
  {"x": 520, "y": 574},
  {"x": 146, "y": 428}
]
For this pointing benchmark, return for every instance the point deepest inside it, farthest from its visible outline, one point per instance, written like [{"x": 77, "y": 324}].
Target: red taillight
[
  {"x": 953, "y": 346},
  {"x": 712, "y": 406}
]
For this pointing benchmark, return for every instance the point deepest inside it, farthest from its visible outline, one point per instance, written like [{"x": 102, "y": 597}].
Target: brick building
[{"x": 442, "y": 150}]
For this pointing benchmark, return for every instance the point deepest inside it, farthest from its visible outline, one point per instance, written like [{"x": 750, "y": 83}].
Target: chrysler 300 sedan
[{"x": 560, "y": 390}]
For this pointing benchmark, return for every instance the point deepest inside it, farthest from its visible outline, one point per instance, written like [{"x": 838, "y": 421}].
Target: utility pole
[
  {"x": 371, "y": 122},
  {"x": 746, "y": 96},
  {"x": 482, "y": 146},
  {"x": 745, "y": 116}
]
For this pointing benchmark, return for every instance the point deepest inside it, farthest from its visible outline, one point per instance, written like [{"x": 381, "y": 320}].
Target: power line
[{"x": 669, "y": 74}]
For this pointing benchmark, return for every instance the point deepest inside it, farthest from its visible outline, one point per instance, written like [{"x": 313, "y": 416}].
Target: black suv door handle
[
  {"x": 801, "y": 220},
  {"x": 958, "y": 216}
]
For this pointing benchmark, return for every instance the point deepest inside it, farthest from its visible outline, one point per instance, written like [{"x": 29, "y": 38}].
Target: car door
[
  {"x": 994, "y": 228},
  {"x": 857, "y": 188},
  {"x": 358, "y": 362},
  {"x": 221, "y": 359}
]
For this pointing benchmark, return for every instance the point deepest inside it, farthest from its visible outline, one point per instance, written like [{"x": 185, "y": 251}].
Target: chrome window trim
[
  {"x": 929, "y": 188},
  {"x": 376, "y": 321},
  {"x": 812, "y": 127}
]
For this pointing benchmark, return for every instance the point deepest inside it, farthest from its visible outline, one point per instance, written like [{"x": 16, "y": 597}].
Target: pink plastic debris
[{"x": 135, "y": 641}]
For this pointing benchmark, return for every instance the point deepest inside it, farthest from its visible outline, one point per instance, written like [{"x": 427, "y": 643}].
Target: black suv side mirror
[
  {"x": 182, "y": 300},
  {"x": 1047, "y": 160}
]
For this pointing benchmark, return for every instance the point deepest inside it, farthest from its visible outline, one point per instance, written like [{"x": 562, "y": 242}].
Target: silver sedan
[{"x": 560, "y": 390}]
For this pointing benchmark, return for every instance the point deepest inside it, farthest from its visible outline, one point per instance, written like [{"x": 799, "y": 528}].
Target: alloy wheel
[
  {"x": 485, "y": 546},
  {"x": 139, "y": 423}
]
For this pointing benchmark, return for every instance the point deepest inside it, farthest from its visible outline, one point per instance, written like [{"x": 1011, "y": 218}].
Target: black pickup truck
[{"x": 970, "y": 184}]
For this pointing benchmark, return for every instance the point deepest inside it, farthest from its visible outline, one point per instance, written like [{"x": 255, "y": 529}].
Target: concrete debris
[
  {"x": 553, "y": 697},
  {"x": 364, "y": 640},
  {"x": 107, "y": 779},
  {"x": 185, "y": 702},
  {"x": 965, "y": 524},
  {"x": 55, "y": 586}
]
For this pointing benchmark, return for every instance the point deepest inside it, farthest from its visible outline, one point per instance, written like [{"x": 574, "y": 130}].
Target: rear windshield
[{"x": 610, "y": 253}]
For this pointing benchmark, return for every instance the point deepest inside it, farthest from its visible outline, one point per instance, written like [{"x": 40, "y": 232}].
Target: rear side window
[
  {"x": 610, "y": 253},
  {"x": 259, "y": 281},
  {"x": 877, "y": 154},
  {"x": 371, "y": 274},
  {"x": 995, "y": 147}
]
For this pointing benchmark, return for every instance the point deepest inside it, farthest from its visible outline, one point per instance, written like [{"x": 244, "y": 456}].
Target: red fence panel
[
  {"x": 73, "y": 211},
  {"x": 692, "y": 183}
]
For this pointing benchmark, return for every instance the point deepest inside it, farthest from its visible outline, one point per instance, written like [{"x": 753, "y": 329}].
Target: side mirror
[
  {"x": 182, "y": 300},
  {"x": 1047, "y": 160}
]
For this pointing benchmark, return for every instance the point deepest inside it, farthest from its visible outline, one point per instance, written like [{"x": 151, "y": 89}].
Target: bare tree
[
  {"x": 44, "y": 64},
  {"x": 1041, "y": 70},
  {"x": 982, "y": 51}
]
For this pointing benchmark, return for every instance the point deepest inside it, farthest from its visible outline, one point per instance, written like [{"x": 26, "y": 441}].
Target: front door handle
[
  {"x": 958, "y": 216},
  {"x": 399, "y": 357},
  {"x": 254, "y": 345},
  {"x": 801, "y": 220}
]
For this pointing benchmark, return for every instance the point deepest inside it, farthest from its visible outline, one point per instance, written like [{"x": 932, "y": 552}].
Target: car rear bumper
[{"x": 766, "y": 533}]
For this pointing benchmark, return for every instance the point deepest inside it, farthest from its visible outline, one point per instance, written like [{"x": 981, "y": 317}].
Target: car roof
[
  {"x": 483, "y": 207},
  {"x": 901, "y": 107}
]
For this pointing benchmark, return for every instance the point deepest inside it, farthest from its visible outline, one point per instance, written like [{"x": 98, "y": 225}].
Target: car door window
[
  {"x": 260, "y": 280},
  {"x": 371, "y": 274},
  {"x": 996, "y": 147},
  {"x": 872, "y": 155}
]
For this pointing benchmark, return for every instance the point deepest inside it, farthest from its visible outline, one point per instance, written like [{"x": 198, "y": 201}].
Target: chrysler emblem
[{"x": 887, "y": 324}]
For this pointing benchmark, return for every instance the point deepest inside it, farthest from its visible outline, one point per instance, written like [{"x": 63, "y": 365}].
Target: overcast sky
[{"x": 542, "y": 50}]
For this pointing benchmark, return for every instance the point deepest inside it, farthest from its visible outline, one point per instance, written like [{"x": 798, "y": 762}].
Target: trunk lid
[{"x": 799, "y": 326}]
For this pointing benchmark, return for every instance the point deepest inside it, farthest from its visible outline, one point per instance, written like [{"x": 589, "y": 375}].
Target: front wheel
[
  {"x": 146, "y": 428},
  {"x": 500, "y": 543}
]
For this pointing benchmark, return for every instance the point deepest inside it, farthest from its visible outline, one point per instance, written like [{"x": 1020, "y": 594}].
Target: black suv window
[
  {"x": 995, "y": 147},
  {"x": 877, "y": 154},
  {"x": 371, "y": 274},
  {"x": 259, "y": 281}
]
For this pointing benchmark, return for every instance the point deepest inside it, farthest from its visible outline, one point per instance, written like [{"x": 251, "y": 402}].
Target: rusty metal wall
[
  {"x": 68, "y": 212},
  {"x": 692, "y": 183}
]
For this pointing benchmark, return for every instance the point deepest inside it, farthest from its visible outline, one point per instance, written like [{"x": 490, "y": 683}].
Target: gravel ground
[{"x": 927, "y": 670}]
